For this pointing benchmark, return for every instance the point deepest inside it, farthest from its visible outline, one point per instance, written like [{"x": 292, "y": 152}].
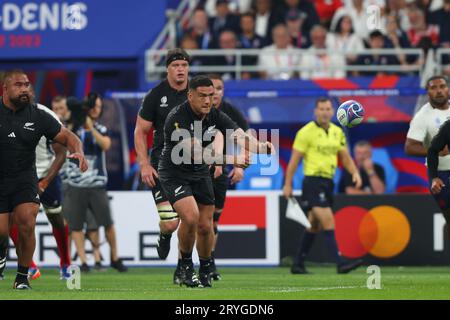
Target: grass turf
[{"x": 241, "y": 283}]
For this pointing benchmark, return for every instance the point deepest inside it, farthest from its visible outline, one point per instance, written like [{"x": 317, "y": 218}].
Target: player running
[
  {"x": 219, "y": 173},
  {"x": 22, "y": 124},
  {"x": 423, "y": 128},
  {"x": 188, "y": 185},
  {"x": 153, "y": 113}
]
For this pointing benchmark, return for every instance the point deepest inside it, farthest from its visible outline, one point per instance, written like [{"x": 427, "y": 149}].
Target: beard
[
  {"x": 21, "y": 101},
  {"x": 441, "y": 101}
]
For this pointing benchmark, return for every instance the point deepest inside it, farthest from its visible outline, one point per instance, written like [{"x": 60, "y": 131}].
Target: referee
[
  {"x": 319, "y": 143},
  {"x": 219, "y": 173}
]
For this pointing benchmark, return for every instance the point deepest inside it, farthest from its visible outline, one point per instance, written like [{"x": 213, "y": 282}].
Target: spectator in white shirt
[
  {"x": 316, "y": 65},
  {"x": 265, "y": 18},
  {"x": 360, "y": 18},
  {"x": 344, "y": 40},
  {"x": 285, "y": 58}
]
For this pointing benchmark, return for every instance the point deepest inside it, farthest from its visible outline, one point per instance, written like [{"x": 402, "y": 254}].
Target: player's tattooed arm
[
  {"x": 250, "y": 143},
  {"x": 68, "y": 139}
]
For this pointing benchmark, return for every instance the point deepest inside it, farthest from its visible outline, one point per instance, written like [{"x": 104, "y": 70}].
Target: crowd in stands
[{"x": 339, "y": 27}]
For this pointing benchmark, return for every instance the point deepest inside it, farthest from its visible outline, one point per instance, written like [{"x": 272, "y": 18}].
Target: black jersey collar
[
  {"x": 5, "y": 109},
  {"x": 175, "y": 90}
]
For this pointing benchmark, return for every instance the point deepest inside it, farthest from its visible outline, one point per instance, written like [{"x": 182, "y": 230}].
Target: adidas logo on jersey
[{"x": 12, "y": 135}]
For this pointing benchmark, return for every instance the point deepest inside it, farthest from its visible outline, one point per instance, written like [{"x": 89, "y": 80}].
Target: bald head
[{"x": 17, "y": 90}]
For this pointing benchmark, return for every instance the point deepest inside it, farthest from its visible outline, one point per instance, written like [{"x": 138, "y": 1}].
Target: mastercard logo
[{"x": 382, "y": 231}]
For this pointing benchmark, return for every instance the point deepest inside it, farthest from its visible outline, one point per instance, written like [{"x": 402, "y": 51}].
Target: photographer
[{"x": 88, "y": 190}]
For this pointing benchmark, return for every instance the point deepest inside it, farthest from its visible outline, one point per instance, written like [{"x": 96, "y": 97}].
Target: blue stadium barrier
[
  {"x": 254, "y": 180},
  {"x": 381, "y": 157}
]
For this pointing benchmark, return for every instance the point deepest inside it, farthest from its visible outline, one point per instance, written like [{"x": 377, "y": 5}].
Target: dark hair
[
  {"x": 176, "y": 54},
  {"x": 438, "y": 77},
  {"x": 339, "y": 24},
  {"x": 322, "y": 99},
  {"x": 200, "y": 81},
  {"x": 362, "y": 143},
  {"x": 214, "y": 76},
  {"x": 78, "y": 112},
  {"x": 248, "y": 14},
  {"x": 90, "y": 99},
  {"x": 8, "y": 74},
  {"x": 376, "y": 34}
]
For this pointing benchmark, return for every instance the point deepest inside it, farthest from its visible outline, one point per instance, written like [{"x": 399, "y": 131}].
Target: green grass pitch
[{"x": 241, "y": 283}]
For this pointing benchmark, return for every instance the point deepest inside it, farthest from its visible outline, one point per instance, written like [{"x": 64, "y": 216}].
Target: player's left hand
[
  {"x": 236, "y": 175},
  {"x": 356, "y": 179},
  {"x": 266, "y": 148},
  {"x": 82, "y": 163},
  {"x": 42, "y": 185},
  {"x": 218, "y": 170}
]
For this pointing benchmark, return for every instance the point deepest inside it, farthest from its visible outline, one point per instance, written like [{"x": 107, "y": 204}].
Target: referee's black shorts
[{"x": 316, "y": 192}]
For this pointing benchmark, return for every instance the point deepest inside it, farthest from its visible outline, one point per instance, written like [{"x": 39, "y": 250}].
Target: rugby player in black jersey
[
  {"x": 22, "y": 124},
  {"x": 219, "y": 173},
  {"x": 184, "y": 172},
  {"x": 155, "y": 107}
]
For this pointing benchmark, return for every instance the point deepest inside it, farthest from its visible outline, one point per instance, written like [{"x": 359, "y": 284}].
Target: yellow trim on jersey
[{"x": 319, "y": 148}]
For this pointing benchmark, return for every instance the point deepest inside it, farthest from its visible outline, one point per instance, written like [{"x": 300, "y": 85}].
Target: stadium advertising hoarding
[
  {"x": 382, "y": 230},
  {"x": 78, "y": 29},
  {"x": 248, "y": 232}
]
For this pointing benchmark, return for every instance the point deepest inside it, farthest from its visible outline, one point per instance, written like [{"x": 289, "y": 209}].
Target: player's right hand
[
  {"x": 436, "y": 185},
  {"x": 287, "y": 191},
  {"x": 148, "y": 174},
  {"x": 242, "y": 160},
  {"x": 82, "y": 163}
]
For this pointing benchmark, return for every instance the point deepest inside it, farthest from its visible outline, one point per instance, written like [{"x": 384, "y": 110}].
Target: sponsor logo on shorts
[{"x": 322, "y": 197}]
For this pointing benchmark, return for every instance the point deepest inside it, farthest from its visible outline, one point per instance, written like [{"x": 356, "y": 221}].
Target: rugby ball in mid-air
[{"x": 350, "y": 113}]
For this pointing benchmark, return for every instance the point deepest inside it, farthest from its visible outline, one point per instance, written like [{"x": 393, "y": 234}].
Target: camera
[{"x": 79, "y": 110}]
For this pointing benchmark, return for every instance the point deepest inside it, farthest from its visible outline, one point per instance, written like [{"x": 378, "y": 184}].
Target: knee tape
[
  {"x": 166, "y": 213},
  {"x": 53, "y": 211}
]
